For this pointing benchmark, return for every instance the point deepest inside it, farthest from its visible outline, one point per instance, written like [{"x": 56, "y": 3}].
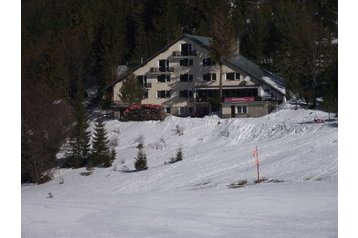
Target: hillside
[{"x": 192, "y": 197}]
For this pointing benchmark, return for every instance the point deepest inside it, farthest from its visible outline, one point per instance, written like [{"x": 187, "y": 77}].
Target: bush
[
  {"x": 45, "y": 178},
  {"x": 86, "y": 173},
  {"x": 144, "y": 112},
  {"x": 178, "y": 156},
  {"x": 179, "y": 131}
]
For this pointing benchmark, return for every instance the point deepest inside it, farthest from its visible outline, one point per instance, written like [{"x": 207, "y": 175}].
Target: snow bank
[{"x": 293, "y": 150}]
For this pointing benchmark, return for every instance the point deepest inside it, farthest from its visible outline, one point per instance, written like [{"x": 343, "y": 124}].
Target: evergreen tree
[
  {"x": 80, "y": 142},
  {"x": 141, "y": 160},
  {"x": 330, "y": 97},
  {"x": 167, "y": 25},
  {"x": 100, "y": 151},
  {"x": 131, "y": 91}
]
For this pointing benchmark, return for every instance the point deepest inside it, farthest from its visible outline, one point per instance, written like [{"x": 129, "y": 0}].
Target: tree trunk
[
  {"x": 221, "y": 82},
  {"x": 221, "y": 89}
]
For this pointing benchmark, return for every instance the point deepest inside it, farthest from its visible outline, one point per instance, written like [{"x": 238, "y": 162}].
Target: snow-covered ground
[{"x": 194, "y": 197}]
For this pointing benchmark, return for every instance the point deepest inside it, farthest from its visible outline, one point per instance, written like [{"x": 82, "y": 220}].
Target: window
[
  {"x": 185, "y": 110},
  {"x": 145, "y": 95},
  {"x": 163, "y": 94},
  {"x": 142, "y": 79},
  {"x": 186, "y": 77},
  {"x": 186, "y": 62},
  {"x": 163, "y": 78},
  {"x": 209, "y": 77},
  {"x": 237, "y": 76},
  {"x": 163, "y": 65},
  {"x": 190, "y": 110},
  {"x": 181, "y": 110},
  {"x": 186, "y": 49},
  {"x": 208, "y": 62},
  {"x": 167, "y": 109},
  {"x": 186, "y": 94},
  {"x": 242, "y": 109},
  {"x": 232, "y": 76}
]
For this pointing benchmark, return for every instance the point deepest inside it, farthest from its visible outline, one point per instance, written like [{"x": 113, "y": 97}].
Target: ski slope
[{"x": 193, "y": 197}]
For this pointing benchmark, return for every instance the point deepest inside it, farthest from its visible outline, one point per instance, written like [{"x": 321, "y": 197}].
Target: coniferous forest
[{"x": 69, "y": 46}]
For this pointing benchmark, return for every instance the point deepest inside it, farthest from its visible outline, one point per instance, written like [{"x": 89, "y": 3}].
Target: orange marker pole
[{"x": 256, "y": 155}]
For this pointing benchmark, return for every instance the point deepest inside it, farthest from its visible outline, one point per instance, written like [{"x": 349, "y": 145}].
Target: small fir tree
[
  {"x": 141, "y": 160},
  {"x": 100, "y": 150},
  {"x": 179, "y": 155},
  {"x": 111, "y": 158}
]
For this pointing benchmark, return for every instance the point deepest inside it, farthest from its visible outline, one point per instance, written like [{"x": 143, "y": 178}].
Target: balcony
[
  {"x": 147, "y": 85},
  {"x": 184, "y": 53},
  {"x": 161, "y": 70}
]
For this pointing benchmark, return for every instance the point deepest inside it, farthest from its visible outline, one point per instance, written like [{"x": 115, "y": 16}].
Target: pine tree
[
  {"x": 100, "y": 151},
  {"x": 141, "y": 160},
  {"x": 167, "y": 25},
  {"x": 80, "y": 143},
  {"x": 131, "y": 91}
]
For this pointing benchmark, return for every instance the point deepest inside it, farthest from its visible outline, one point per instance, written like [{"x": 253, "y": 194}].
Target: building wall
[
  {"x": 197, "y": 70},
  {"x": 175, "y": 85},
  {"x": 254, "y": 109}
]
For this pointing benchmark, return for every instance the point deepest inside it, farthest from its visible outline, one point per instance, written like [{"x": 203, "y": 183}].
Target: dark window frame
[
  {"x": 163, "y": 78},
  {"x": 186, "y": 62},
  {"x": 186, "y": 78},
  {"x": 208, "y": 62},
  {"x": 163, "y": 94}
]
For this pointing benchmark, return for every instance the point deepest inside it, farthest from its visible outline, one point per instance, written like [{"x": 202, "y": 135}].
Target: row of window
[
  {"x": 189, "y": 110},
  {"x": 164, "y": 64},
  {"x": 142, "y": 79},
  {"x": 181, "y": 111},
  {"x": 239, "y": 109},
  {"x": 187, "y": 62},
  {"x": 167, "y": 94},
  {"x": 202, "y": 94}
]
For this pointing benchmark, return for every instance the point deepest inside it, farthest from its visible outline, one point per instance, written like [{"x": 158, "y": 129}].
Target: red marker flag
[{"x": 255, "y": 154}]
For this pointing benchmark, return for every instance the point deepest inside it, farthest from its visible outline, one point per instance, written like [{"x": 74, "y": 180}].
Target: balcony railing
[
  {"x": 161, "y": 69},
  {"x": 184, "y": 53}
]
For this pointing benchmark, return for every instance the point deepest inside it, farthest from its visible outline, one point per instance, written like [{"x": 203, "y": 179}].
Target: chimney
[{"x": 237, "y": 47}]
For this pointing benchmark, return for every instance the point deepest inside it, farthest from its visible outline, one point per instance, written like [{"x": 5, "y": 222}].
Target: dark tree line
[{"x": 71, "y": 45}]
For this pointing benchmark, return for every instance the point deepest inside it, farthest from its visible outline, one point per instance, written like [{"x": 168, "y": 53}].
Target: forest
[{"x": 70, "y": 46}]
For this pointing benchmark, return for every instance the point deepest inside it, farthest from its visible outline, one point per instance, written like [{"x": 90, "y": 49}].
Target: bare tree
[
  {"x": 44, "y": 125},
  {"x": 224, "y": 42}
]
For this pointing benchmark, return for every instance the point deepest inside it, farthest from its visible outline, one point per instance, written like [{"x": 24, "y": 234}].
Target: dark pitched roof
[
  {"x": 273, "y": 80},
  {"x": 239, "y": 61}
]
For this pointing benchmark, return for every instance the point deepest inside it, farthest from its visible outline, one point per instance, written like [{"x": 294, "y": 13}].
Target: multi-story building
[{"x": 185, "y": 81}]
